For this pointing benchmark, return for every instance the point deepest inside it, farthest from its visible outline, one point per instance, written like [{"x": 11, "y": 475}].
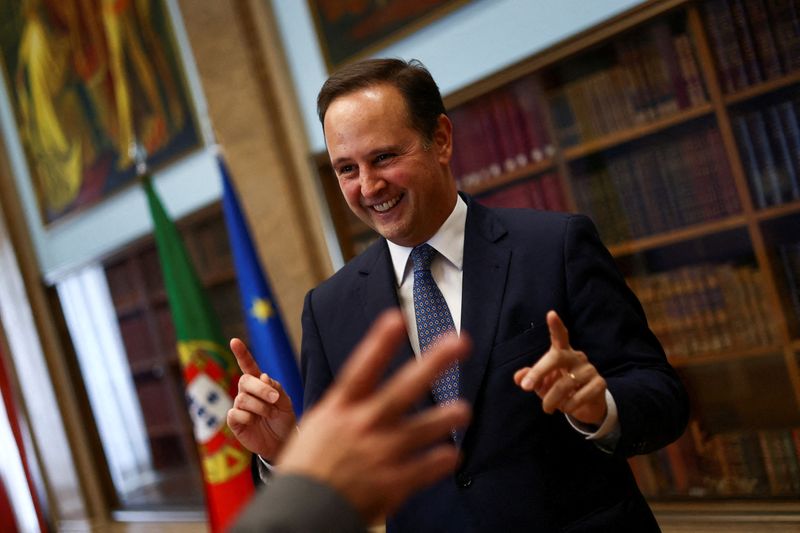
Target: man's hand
[
  {"x": 565, "y": 379},
  {"x": 261, "y": 418},
  {"x": 363, "y": 441}
]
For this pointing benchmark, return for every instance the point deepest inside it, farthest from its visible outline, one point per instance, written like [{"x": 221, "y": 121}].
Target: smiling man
[{"x": 554, "y": 327}]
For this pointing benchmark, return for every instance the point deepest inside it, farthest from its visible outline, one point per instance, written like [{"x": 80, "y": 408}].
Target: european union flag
[{"x": 268, "y": 341}]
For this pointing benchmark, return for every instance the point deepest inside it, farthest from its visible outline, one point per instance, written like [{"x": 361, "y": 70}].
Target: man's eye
[
  {"x": 344, "y": 170},
  {"x": 383, "y": 157}
]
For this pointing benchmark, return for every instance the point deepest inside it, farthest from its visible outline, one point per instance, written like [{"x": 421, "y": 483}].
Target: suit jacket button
[{"x": 463, "y": 481}]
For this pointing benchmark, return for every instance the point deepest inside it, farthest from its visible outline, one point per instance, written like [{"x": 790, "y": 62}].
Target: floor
[{"x": 667, "y": 526}]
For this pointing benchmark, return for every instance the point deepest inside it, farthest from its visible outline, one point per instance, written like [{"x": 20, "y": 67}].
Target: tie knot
[{"x": 422, "y": 257}]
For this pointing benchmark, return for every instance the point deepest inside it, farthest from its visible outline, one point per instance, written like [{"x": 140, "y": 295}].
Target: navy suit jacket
[{"x": 522, "y": 470}]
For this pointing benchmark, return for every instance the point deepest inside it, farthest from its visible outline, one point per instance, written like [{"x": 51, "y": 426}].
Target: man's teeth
[{"x": 385, "y": 206}]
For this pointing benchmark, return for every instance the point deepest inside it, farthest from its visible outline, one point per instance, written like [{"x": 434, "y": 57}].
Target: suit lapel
[
  {"x": 485, "y": 270},
  {"x": 377, "y": 288}
]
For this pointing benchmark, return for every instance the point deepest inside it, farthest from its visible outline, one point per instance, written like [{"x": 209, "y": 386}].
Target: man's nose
[{"x": 371, "y": 184}]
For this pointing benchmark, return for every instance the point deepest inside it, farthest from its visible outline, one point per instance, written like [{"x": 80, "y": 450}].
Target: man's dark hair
[{"x": 411, "y": 78}]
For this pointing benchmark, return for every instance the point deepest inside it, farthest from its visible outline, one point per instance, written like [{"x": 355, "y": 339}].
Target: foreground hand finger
[
  {"x": 430, "y": 426},
  {"x": 414, "y": 379},
  {"x": 244, "y": 358},
  {"x": 372, "y": 355},
  {"x": 424, "y": 469}
]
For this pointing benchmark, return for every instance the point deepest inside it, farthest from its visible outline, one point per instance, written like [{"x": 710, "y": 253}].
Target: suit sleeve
[
  {"x": 316, "y": 372},
  {"x": 607, "y": 322},
  {"x": 293, "y": 503}
]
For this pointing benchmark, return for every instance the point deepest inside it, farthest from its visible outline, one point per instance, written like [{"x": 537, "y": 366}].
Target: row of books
[
  {"x": 706, "y": 309},
  {"x": 742, "y": 464},
  {"x": 541, "y": 192},
  {"x": 769, "y": 144},
  {"x": 753, "y": 40},
  {"x": 652, "y": 74},
  {"x": 657, "y": 186},
  {"x": 499, "y": 133},
  {"x": 790, "y": 261}
]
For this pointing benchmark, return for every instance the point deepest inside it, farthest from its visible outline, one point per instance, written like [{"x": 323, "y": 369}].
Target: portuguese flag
[{"x": 210, "y": 374}]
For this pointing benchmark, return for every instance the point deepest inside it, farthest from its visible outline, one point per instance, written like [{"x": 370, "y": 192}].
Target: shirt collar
[{"x": 448, "y": 241}]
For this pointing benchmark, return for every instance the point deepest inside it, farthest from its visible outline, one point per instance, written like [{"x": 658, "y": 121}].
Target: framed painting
[
  {"x": 351, "y": 29},
  {"x": 95, "y": 87}
]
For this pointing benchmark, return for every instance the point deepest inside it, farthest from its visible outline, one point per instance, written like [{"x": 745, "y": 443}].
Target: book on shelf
[
  {"x": 790, "y": 262},
  {"x": 706, "y": 309},
  {"x": 538, "y": 192},
  {"x": 689, "y": 69},
  {"x": 753, "y": 40},
  {"x": 746, "y": 43},
  {"x": 748, "y": 154},
  {"x": 789, "y": 124},
  {"x": 789, "y": 184},
  {"x": 676, "y": 82},
  {"x": 660, "y": 186},
  {"x": 748, "y": 463},
  {"x": 528, "y": 99},
  {"x": 768, "y": 142},
  {"x": 725, "y": 45},
  {"x": 498, "y": 133},
  {"x": 784, "y": 17},
  {"x": 640, "y": 78},
  {"x": 763, "y": 38}
]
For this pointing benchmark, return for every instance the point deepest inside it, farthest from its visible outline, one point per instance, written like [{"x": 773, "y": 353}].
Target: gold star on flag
[{"x": 261, "y": 309}]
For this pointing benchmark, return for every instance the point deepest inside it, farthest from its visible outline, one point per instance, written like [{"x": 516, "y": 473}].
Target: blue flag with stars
[{"x": 268, "y": 341}]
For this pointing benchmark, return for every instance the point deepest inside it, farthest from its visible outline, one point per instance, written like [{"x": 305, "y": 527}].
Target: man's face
[{"x": 396, "y": 182}]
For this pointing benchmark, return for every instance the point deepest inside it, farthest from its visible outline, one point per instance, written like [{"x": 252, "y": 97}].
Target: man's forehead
[{"x": 382, "y": 94}]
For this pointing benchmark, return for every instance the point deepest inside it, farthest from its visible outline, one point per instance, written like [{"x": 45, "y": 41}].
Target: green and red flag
[{"x": 210, "y": 374}]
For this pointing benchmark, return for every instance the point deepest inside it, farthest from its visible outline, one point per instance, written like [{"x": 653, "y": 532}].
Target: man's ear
[{"x": 443, "y": 139}]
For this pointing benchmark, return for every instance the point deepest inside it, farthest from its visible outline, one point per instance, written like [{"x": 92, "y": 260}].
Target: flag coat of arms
[{"x": 210, "y": 374}]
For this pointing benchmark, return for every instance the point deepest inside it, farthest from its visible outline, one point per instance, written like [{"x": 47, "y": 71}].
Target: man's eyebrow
[
  {"x": 339, "y": 160},
  {"x": 371, "y": 153}
]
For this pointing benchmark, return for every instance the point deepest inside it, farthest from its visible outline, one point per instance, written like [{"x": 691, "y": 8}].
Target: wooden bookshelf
[
  {"x": 509, "y": 177},
  {"x": 671, "y": 237},
  {"x": 684, "y": 150},
  {"x": 711, "y": 358},
  {"x": 630, "y": 134},
  {"x": 762, "y": 88}
]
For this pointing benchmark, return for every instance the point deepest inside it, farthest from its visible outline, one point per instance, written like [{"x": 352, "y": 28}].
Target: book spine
[
  {"x": 751, "y": 66},
  {"x": 748, "y": 151},
  {"x": 790, "y": 260},
  {"x": 664, "y": 44},
  {"x": 730, "y": 68},
  {"x": 551, "y": 189},
  {"x": 787, "y": 178},
  {"x": 689, "y": 70},
  {"x": 786, "y": 28},
  {"x": 766, "y": 49},
  {"x": 792, "y": 130},
  {"x": 759, "y": 130},
  {"x": 564, "y": 119},
  {"x": 536, "y": 194}
]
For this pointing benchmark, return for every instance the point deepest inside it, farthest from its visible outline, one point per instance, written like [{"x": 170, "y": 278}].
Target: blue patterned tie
[{"x": 433, "y": 320}]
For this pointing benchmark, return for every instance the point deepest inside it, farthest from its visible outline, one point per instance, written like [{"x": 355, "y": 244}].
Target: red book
[
  {"x": 536, "y": 193},
  {"x": 553, "y": 195}
]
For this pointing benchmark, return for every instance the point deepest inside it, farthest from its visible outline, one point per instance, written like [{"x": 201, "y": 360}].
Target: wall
[{"x": 480, "y": 38}]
